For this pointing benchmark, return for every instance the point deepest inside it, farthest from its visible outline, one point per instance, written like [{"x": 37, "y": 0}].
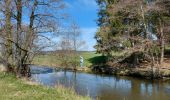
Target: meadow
[{"x": 52, "y": 60}]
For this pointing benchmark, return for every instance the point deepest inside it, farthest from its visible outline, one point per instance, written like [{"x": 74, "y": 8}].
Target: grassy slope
[
  {"x": 49, "y": 60},
  {"x": 14, "y": 89},
  {"x": 89, "y": 57}
]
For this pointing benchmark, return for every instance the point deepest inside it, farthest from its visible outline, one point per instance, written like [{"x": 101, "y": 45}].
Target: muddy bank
[{"x": 148, "y": 73}]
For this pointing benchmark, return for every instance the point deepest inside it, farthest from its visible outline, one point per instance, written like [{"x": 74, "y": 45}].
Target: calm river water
[{"x": 103, "y": 87}]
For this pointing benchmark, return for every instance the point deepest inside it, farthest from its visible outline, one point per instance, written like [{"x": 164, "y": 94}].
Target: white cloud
[
  {"x": 88, "y": 36},
  {"x": 84, "y": 12}
]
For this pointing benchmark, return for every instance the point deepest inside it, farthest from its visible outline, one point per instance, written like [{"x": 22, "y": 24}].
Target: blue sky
[{"x": 84, "y": 12}]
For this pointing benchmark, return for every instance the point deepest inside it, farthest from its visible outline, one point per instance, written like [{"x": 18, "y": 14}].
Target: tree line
[{"x": 137, "y": 28}]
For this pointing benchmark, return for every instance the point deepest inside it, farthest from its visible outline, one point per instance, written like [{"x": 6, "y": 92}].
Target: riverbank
[
  {"x": 107, "y": 87},
  {"x": 12, "y": 88},
  {"x": 96, "y": 63},
  {"x": 141, "y": 72}
]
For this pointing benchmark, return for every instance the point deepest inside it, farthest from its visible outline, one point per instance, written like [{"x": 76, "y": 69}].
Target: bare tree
[
  {"x": 70, "y": 45},
  {"x": 20, "y": 40}
]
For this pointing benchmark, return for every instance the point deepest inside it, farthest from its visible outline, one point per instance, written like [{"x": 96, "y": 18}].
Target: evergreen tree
[{"x": 134, "y": 27}]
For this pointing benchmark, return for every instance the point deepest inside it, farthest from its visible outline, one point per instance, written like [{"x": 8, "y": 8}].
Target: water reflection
[{"x": 107, "y": 87}]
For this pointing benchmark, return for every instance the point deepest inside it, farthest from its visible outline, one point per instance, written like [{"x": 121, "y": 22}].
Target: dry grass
[{"x": 2, "y": 68}]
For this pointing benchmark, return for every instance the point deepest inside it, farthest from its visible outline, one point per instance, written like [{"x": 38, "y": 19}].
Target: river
[{"x": 104, "y": 87}]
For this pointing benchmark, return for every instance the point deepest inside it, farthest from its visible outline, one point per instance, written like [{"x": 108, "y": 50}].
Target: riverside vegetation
[
  {"x": 97, "y": 63},
  {"x": 21, "y": 39},
  {"x": 132, "y": 37},
  {"x": 22, "y": 89},
  {"x": 139, "y": 30}
]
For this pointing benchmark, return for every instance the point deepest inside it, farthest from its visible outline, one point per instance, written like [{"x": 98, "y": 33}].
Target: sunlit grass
[
  {"x": 12, "y": 88},
  {"x": 88, "y": 56}
]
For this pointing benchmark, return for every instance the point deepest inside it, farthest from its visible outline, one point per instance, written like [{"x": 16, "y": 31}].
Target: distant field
[
  {"x": 51, "y": 60},
  {"x": 90, "y": 58}
]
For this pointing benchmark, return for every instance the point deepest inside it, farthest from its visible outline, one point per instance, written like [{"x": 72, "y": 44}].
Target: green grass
[
  {"x": 89, "y": 57},
  {"x": 50, "y": 60},
  {"x": 167, "y": 49},
  {"x": 12, "y": 88}
]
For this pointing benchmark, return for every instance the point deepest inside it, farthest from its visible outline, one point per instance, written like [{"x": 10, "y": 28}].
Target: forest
[{"x": 138, "y": 30}]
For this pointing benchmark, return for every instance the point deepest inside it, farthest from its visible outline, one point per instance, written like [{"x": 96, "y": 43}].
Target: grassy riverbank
[
  {"x": 12, "y": 88},
  {"x": 100, "y": 66}
]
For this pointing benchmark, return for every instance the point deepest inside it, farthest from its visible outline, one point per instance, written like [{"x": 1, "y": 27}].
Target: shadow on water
[{"x": 105, "y": 87}]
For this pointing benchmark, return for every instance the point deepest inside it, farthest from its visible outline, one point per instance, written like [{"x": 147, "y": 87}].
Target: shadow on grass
[
  {"x": 98, "y": 60},
  {"x": 99, "y": 65},
  {"x": 167, "y": 51}
]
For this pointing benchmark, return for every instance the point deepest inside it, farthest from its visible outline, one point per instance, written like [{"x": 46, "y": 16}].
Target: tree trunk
[
  {"x": 8, "y": 35},
  {"x": 143, "y": 19},
  {"x": 162, "y": 43},
  {"x": 22, "y": 68}
]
